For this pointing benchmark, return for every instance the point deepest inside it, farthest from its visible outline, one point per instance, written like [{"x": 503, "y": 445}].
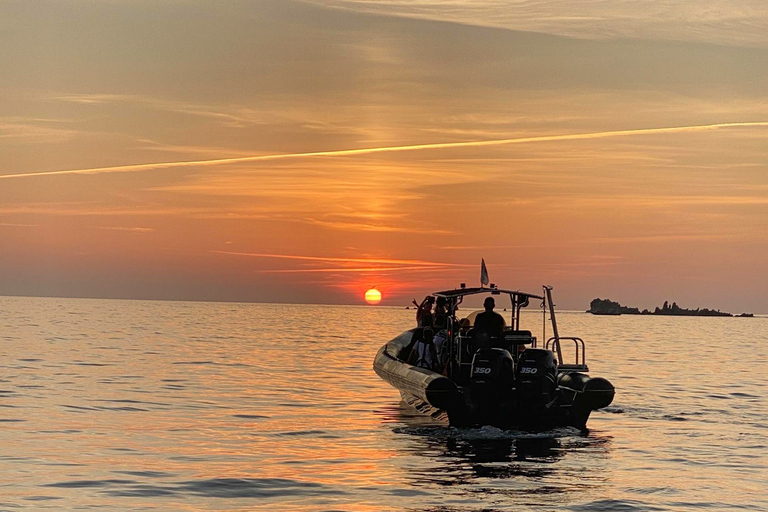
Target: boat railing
[
  {"x": 463, "y": 354},
  {"x": 581, "y": 353}
]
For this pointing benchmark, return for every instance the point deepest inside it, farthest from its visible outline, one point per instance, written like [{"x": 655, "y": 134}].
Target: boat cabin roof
[{"x": 460, "y": 292}]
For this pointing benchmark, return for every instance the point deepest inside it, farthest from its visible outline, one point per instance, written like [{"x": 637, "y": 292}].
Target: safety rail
[
  {"x": 461, "y": 344},
  {"x": 581, "y": 353}
]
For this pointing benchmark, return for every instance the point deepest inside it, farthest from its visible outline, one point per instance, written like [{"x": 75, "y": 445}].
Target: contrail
[{"x": 389, "y": 149}]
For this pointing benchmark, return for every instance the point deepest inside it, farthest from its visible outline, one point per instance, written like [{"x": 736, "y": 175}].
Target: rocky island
[{"x": 609, "y": 307}]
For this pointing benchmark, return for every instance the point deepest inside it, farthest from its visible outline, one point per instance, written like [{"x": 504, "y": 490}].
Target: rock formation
[{"x": 609, "y": 307}]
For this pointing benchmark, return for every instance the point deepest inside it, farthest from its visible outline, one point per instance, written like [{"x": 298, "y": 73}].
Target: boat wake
[{"x": 485, "y": 433}]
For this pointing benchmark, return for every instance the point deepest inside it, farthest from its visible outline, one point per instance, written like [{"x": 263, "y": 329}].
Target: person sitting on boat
[
  {"x": 424, "y": 311},
  {"x": 423, "y": 353},
  {"x": 464, "y": 326},
  {"x": 489, "y": 325},
  {"x": 441, "y": 351}
]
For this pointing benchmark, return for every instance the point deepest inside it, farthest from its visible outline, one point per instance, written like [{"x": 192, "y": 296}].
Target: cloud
[
  {"x": 707, "y": 237},
  {"x": 357, "y": 269},
  {"x": 381, "y": 228},
  {"x": 233, "y": 116},
  {"x": 131, "y": 229},
  {"x": 669, "y": 201},
  {"x": 391, "y": 149},
  {"x": 34, "y": 131},
  {"x": 351, "y": 266},
  {"x": 91, "y": 99},
  {"x": 17, "y": 225},
  {"x": 210, "y": 151},
  {"x": 344, "y": 260},
  {"x": 737, "y": 22}
]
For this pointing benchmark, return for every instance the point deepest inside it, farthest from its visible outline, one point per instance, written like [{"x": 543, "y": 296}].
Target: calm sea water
[{"x": 142, "y": 405}]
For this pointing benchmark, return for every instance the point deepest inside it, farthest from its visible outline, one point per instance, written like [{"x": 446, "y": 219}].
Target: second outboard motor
[
  {"x": 536, "y": 379},
  {"x": 493, "y": 374}
]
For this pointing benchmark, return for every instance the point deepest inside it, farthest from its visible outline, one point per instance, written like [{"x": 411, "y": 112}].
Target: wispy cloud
[
  {"x": 124, "y": 228},
  {"x": 705, "y": 237},
  {"x": 658, "y": 238},
  {"x": 385, "y": 261},
  {"x": 351, "y": 266},
  {"x": 378, "y": 267},
  {"x": 90, "y": 99},
  {"x": 34, "y": 131},
  {"x": 209, "y": 151},
  {"x": 724, "y": 21},
  {"x": 392, "y": 149},
  {"x": 231, "y": 116},
  {"x": 356, "y": 270},
  {"x": 669, "y": 201},
  {"x": 380, "y": 228},
  {"x": 17, "y": 225}
]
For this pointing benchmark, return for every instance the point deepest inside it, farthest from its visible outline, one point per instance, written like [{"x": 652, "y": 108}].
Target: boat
[{"x": 508, "y": 381}]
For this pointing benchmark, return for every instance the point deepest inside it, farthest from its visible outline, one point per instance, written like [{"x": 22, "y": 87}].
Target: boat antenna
[{"x": 483, "y": 273}]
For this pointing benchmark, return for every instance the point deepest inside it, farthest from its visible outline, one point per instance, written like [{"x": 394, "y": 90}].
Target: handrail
[
  {"x": 579, "y": 344},
  {"x": 548, "y": 293}
]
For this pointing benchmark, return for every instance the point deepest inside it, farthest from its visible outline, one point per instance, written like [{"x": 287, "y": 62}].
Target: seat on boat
[
  {"x": 519, "y": 337},
  {"x": 515, "y": 340},
  {"x": 479, "y": 339}
]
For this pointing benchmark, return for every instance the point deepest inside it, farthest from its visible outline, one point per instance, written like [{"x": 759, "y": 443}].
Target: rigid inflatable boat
[{"x": 506, "y": 380}]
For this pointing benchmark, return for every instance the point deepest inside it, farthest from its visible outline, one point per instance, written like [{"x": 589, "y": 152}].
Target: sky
[{"x": 305, "y": 151}]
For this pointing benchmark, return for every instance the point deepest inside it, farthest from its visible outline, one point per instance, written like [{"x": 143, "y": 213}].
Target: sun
[{"x": 373, "y": 296}]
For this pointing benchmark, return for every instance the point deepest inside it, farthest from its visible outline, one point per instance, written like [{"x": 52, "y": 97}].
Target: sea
[{"x": 192, "y": 406}]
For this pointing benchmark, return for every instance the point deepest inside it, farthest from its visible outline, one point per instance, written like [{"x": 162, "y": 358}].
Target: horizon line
[{"x": 362, "y": 304}]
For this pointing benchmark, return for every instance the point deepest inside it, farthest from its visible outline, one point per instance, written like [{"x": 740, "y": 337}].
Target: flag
[{"x": 483, "y": 273}]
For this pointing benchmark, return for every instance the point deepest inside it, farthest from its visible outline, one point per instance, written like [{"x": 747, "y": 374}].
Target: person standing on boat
[
  {"x": 489, "y": 323},
  {"x": 440, "y": 317},
  {"x": 424, "y": 311}
]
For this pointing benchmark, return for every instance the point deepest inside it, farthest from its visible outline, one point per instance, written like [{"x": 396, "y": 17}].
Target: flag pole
[{"x": 483, "y": 274}]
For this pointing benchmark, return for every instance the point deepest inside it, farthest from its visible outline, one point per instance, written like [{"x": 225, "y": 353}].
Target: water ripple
[{"x": 136, "y": 405}]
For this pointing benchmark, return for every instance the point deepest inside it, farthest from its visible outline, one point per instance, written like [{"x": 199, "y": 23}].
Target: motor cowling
[
  {"x": 493, "y": 374},
  {"x": 536, "y": 379}
]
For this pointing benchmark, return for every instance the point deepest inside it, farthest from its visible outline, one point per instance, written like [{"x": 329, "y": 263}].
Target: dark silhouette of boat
[{"x": 505, "y": 381}]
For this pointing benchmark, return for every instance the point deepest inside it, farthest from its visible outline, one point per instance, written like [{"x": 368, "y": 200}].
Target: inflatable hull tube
[
  {"x": 588, "y": 394},
  {"x": 436, "y": 390}
]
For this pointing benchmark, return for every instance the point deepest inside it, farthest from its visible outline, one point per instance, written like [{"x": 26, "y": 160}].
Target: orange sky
[{"x": 305, "y": 151}]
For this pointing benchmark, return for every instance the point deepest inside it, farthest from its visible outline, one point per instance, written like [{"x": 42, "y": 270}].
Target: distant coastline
[{"x": 608, "y": 307}]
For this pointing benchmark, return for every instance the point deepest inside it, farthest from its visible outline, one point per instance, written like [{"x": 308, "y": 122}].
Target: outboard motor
[
  {"x": 493, "y": 374},
  {"x": 536, "y": 379}
]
